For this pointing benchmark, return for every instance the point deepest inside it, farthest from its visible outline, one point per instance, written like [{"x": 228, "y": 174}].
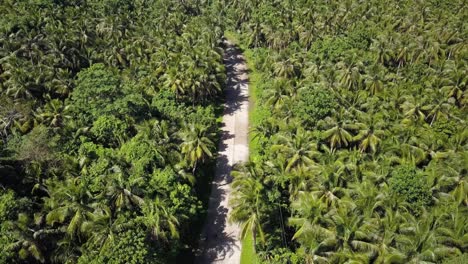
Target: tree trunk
[{"x": 194, "y": 168}]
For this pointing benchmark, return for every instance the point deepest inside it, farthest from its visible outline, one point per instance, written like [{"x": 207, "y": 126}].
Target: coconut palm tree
[
  {"x": 26, "y": 242},
  {"x": 53, "y": 114},
  {"x": 375, "y": 80},
  {"x": 196, "y": 144},
  {"x": 69, "y": 205},
  {"x": 277, "y": 95},
  {"x": 338, "y": 133},
  {"x": 370, "y": 132},
  {"x": 298, "y": 149},
  {"x": 247, "y": 197},
  {"x": 160, "y": 222},
  {"x": 120, "y": 193},
  {"x": 389, "y": 227},
  {"x": 309, "y": 218},
  {"x": 418, "y": 240},
  {"x": 101, "y": 228}
]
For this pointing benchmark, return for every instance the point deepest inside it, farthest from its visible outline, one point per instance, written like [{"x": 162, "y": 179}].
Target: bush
[
  {"x": 130, "y": 246},
  {"x": 460, "y": 259},
  {"x": 407, "y": 183},
  {"x": 38, "y": 145},
  {"x": 314, "y": 105},
  {"x": 332, "y": 48},
  {"x": 109, "y": 130},
  {"x": 96, "y": 89}
]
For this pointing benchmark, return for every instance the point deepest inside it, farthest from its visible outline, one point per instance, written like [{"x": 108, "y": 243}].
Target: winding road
[{"x": 220, "y": 239}]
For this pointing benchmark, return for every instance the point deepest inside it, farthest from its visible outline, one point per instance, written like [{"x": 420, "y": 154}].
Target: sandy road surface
[{"x": 220, "y": 239}]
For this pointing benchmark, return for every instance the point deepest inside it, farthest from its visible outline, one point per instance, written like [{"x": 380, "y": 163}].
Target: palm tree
[
  {"x": 382, "y": 47},
  {"x": 460, "y": 192},
  {"x": 418, "y": 240},
  {"x": 456, "y": 81},
  {"x": 277, "y": 93},
  {"x": 374, "y": 81},
  {"x": 158, "y": 130},
  {"x": 26, "y": 240},
  {"x": 161, "y": 223},
  {"x": 351, "y": 233},
  {"x": 414, "y": 108},
  {"x": 196, "y": 143},
  {"x": 174, "y": 81},
  {"x": 308, "y": 218},
  {"x": 452, "y": 232},
  {"x": 266, "y": 129},
  {"x": 438, "y": 107},
  {"x": 351, "y": 78},
  {"x": 337, "y": 234},
  {"x": 101, "y": 228},
  {"x": 286, "y": 68},
  {"x": 69, "y": 205},
  {"x": 17, "y": 78},
  {"x": 389, "y": 227},
  {"x": 256, "y": 35},
  {"x": 53, "y": 113},
  {"x": 120, "y": 192},
  {"x": 338, "y": 132},
  {"x": 298, "y": 149},
  {"x": 247, "y": 197},
  {"x": 370, "y": 131},
  {"x": 330, "y": 182}
]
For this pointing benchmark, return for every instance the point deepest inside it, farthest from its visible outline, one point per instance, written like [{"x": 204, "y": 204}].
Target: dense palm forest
[
  {"x": 108, "y": 128},
  {"x": 359, "y": 150}
]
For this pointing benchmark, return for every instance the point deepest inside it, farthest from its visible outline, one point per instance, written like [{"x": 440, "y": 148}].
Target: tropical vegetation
[
  {"x": 360, "y": 138},
  {"x": 108, "y": 129}
]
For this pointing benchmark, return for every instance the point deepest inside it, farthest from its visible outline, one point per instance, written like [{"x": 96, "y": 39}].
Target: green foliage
[
  {"x": 163, "y": 181},
  {"x": 106, "y": 124},
  {"x": 166, "y": 106},
  {"x": 314, "y": 105},
  {"x": 361, "y": 36},
  {"x": 360, "y": 138},
  {"x": 142, "y": 154},
  {"x": 128, "y": 247},
  {"x": 461, "y": 259},
  {"x": 105, "y": 107},
  {"x": 7, "y": 205},
  {"x": 37, "y": 146},
  {"x": 109, "y": 130},
  {"x": 409, "y": 184},
  {"x": 184, "y": 203},
  {"x": 332, "y": 48},
  {"x": 10, "y": 206},
  {"x": 284, "y": 256},
  {"x": 96, "y": 90}
]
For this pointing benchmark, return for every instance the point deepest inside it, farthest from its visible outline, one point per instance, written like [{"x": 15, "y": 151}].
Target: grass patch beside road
[{"x": 256, "y": 112}]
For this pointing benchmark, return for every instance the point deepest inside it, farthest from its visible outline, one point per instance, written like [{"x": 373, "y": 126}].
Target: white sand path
[{"x": 220, "y": 239}]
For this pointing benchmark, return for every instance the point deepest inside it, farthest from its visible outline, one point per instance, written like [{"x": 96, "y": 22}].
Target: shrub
[
  {"x": 109, "y": 130},
  {"x": 314, "y": 105},
  {"x": 406, "y": 182}
]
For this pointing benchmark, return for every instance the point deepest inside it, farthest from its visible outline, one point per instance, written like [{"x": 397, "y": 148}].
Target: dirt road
[{"x": 220, "y": 239}]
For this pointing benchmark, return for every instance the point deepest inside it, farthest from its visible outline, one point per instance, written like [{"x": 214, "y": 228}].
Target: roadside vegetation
[
  {"x": 108, "y": 129},
  {"x": 361, "y": 153}
]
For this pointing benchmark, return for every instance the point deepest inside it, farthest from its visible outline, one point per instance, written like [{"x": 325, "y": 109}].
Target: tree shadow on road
[
  {"x": 236, "y": 78},
  {"x": 216, "y": 243}
]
